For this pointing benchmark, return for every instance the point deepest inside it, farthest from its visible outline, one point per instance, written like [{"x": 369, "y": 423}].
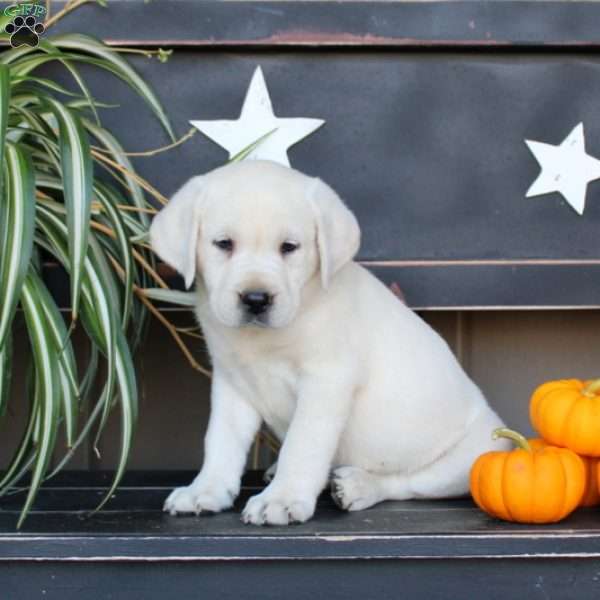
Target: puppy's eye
[
  {"x": 288, "y": 247},
  {"x": 225, "y": 244}
]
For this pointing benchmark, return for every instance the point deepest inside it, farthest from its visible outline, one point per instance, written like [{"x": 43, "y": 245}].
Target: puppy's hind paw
[{"x": 354, "y": 489}]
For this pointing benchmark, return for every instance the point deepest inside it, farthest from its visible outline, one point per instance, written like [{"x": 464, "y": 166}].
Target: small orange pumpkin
[
  {"x": 567, "y": 413},
  {"x": 525, "y": 485},
  {"x": 591, "y": 493}
]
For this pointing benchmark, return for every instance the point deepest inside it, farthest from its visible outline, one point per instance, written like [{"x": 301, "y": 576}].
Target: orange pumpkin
[
  {"x": 528, "y": 485},
  {"x": 591, "y": 493},
  {"x": 567, "y": 413}
]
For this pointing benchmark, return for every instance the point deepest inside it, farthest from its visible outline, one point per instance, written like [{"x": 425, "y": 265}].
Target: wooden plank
[
  {"x": 134, "y": 528},
  {"x": 564, "y": 579},
  {"x": 429, "y": 550},
  {"x": 345, "y": 24},
  {"x": 468, "y": 286},
  {"x": 473, "y": 286}
]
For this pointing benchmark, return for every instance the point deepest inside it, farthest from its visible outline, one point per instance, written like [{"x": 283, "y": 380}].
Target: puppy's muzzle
[{"x": 256, "y": 302}]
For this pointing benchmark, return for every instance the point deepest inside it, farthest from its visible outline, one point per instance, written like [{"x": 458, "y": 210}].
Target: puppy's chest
[{"x": 270, "y": 385}]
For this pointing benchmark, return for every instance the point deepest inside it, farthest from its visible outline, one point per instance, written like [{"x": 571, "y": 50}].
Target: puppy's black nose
[{"x": 256, "y": 301}]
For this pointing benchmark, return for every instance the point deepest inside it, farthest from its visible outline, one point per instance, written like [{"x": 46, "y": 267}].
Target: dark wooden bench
[{"x": 428, "y": 549}]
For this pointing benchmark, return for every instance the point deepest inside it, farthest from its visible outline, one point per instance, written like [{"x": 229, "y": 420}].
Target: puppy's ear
[
  {"x": 174, "y": 231},
  {"x": 338, "y": 234}
]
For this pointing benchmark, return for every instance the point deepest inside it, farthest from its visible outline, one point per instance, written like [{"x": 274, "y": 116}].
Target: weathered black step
[{"x": 443, "y": 549}]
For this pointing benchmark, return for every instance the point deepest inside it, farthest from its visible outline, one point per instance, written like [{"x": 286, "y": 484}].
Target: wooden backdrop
[{"x": 427, "y": 108}]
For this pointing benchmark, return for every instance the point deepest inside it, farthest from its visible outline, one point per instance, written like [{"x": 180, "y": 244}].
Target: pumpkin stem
[
  {"x": 517, "y": 438},
  {"x": 592, "y": 387}
]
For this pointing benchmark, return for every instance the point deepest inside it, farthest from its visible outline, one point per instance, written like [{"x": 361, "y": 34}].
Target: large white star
[
  {"x": 565, "y": 168},
  {"x": 256, "y": 121}
]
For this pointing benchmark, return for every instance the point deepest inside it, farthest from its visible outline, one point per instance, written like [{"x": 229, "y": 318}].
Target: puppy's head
[{"x": 256, "y": 233}]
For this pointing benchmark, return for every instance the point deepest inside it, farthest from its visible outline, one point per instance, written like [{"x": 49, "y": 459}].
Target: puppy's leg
[
  {"x": 353, "y": 488},
  {"x": 232, "y": 426},
  {"x": 270, "y": 473},
  {"x": 305, "y": 457}
]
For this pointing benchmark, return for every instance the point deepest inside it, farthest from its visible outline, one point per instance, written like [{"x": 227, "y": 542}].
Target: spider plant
[{"x": 70, "y": 195}]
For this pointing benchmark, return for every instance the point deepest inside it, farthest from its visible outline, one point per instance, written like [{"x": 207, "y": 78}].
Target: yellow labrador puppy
[{"x": 350, "y": 380}]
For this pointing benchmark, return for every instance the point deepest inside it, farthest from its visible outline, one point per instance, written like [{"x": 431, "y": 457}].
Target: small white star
[
  {"x": 257, "y": 120},
  {"x": 566, "y": 169}
]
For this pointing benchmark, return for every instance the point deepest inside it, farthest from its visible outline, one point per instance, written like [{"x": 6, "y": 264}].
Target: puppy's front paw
[
  {"x": 354, "y": 489},
  {"x": 198, "y": 499},
  {"x": 269, "y": 508}
]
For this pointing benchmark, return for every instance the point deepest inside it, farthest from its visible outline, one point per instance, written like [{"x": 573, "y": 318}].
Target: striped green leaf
[
  {"x": 4, "y": 232},
  {"x": 4, "y": 102},
  {"x": 83, "y": 435},
  {"x": 100, "y": 265},
  {"x": 144, "y": 236},
  {"x": 118, "y": 66},
  {"x": 25, "y": 81},
  {"x": 128, "y": 400},
  {"x": 47, "y": 389},
  {"x": 99, "y": 318},
  {"x": 50, "y": 48},
  {"x": 96, "y": 318},
  {"x": 106, "y": 302},
  {"x": 103, "y": 324},
  {"x": 18, "y": 213},
  {"x": 91, "y": 371},
  {"x": 77, "y": 174},
  {"x": 23, "y": 66},
  {"x": 118, "y": 155},
  {"x": 124, "y": 250},
  {"x": 126, "y": 385},
  {"x": 24, "y": 454},
  {"x": 59, "y": 337},
  {"x": 10, "y": 56},
  {"x": 5, "y": 373},
  {"x": 140, "y": 322},
  {"x": 84, "y": 104},
  {"x": 44, "y": 151},
  {"x": 52, "y": 202},
  {"x": 244, "y": 152},
  {"x": 172, "y": 296}
]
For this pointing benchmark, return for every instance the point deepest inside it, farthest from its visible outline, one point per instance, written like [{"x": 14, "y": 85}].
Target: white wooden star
[
  {"x": 566, "y": 169},
  {"x": 257, "y": 120}
]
